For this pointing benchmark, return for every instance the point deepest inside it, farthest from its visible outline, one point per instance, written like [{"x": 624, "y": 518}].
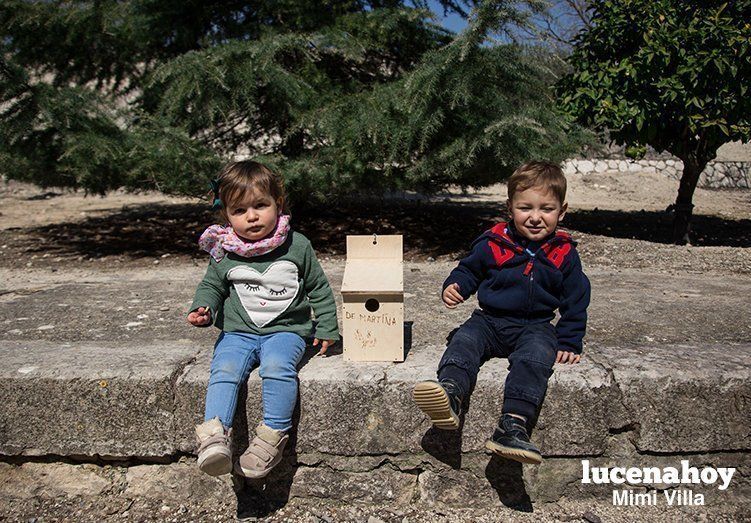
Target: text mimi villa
[{"x": 663, "y": 477}]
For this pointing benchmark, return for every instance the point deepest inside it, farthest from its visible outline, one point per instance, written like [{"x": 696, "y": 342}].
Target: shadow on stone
[
  {"x": 505, "y": 476},
  {"x": 337, "y": 349},
  {"x": 444, "y": 445},
  {"x": 260, "y": 498},
  {"x": 310, "y": 353},
  {"x": 407, "y": 337}
]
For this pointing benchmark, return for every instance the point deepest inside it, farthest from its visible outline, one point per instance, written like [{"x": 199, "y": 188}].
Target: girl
[{"x": 259, "y": 288}]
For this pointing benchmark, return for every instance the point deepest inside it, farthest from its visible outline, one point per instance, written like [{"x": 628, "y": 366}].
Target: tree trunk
[{"x": 684, "y": 207}]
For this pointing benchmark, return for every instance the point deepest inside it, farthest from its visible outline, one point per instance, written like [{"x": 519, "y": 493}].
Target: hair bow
[{"x": 217, "y": 202}]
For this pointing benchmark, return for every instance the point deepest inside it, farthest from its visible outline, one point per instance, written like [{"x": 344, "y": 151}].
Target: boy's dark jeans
[{"x": 531, "y": 350}]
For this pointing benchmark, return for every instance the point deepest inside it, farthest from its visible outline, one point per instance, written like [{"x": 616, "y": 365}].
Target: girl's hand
[
  {"x": 325, "y": 344},
  {"x": 565, "y": 356},
  {"x": 200, "y": 317},
  {"x": 451, "y": 297}
]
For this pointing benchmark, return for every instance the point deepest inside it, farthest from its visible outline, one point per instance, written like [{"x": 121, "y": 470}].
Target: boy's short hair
[
  {"x": 546, "y": 175},
  {"x": 237, "y": 178}
]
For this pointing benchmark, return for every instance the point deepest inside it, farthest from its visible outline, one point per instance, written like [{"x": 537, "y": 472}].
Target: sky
[{"x": 453, "y": 21}]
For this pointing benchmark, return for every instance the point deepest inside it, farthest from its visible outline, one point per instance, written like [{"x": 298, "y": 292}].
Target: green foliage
[
  {"x": 636, "y": 152},
  {"x": 673, "y": 74},
  {"x": 415, "y": 133},
  {"x": 340, "y": 96}
]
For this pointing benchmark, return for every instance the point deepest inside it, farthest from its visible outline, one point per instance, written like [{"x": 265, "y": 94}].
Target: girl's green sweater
[{"x": 270, "y": 293}]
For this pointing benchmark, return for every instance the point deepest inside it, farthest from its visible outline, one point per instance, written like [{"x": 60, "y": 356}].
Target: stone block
[
  {"x": 680, "y": 402},
  {"x": 354, "y": 409},
  {"x": 453, "y": 488},
  {"x": 569, "y": 168},
  {"x": 555, "y": 478},
  {"x": 176, "y": 483},
  {"x": 578, "y": 411},
  {"x": 51, "y": 480},
  {"x": 89, "y": 399},
  {"x": 380, "y": 486}
]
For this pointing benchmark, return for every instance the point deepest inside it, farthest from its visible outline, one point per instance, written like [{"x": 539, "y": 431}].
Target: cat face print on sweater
[{"x": 265, "y": 296}]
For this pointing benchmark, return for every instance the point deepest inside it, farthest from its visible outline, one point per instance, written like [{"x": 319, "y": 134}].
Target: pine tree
[{"x": 339, "y": 96}]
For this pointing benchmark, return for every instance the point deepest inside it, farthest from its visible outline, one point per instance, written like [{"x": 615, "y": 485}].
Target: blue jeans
[
  {"x": 531, "y": 349},
  {"x": 235, "y": 355}
]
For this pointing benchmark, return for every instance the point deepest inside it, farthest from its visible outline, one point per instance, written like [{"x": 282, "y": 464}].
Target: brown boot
[
  {"x": 214, "y": 452},
  {"x": 264, "y": 452},
  {"x": 441, "y": 401}
]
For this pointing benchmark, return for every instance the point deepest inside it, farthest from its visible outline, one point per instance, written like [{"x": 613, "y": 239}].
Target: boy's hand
[
  {"x": 565, "y": 356},
  {"x": 325, "y": 344},
  {"x": 200, "y": 317},
  {"x": 451, "y": 297}
]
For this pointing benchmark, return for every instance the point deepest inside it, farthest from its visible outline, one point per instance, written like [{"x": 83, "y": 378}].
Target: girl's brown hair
[{"x": 237, "y": 178}]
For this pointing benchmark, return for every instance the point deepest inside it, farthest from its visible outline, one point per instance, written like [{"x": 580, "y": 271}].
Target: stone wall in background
[{"x": 717, "y": 174}]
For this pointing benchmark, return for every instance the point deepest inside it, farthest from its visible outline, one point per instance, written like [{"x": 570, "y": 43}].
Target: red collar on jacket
[{"x": 555, "y": 248}]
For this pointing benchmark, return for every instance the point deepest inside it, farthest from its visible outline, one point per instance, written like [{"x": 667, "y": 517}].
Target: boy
[{"x": 522, "y": 272}]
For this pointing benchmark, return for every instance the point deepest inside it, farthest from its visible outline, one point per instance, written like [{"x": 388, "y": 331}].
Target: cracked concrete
[{"x": 182, "y": 368}]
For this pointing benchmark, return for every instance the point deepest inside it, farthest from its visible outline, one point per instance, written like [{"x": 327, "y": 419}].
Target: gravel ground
[{"x": 129, "y": 510}]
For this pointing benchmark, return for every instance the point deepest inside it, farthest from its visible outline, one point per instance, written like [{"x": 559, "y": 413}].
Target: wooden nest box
[{"x": 373, "y": 296}]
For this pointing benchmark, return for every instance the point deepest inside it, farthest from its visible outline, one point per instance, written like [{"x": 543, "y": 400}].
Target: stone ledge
[
  {"x": 123, "y": 402},
  {"x": 94, "y": 400},
  {"x": 717, "y": 173}
]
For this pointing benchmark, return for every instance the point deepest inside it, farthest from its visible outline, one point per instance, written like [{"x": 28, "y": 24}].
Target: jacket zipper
[
  {"x": 528, "y": 271},
  {"x": 528, "y": 268}
]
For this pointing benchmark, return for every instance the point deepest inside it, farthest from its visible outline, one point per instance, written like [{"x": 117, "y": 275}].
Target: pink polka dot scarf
[{"x": 217, "y": 240}]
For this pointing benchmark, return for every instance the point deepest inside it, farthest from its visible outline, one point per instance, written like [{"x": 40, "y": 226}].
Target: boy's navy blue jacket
[{"x": 527, "y": 281}]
